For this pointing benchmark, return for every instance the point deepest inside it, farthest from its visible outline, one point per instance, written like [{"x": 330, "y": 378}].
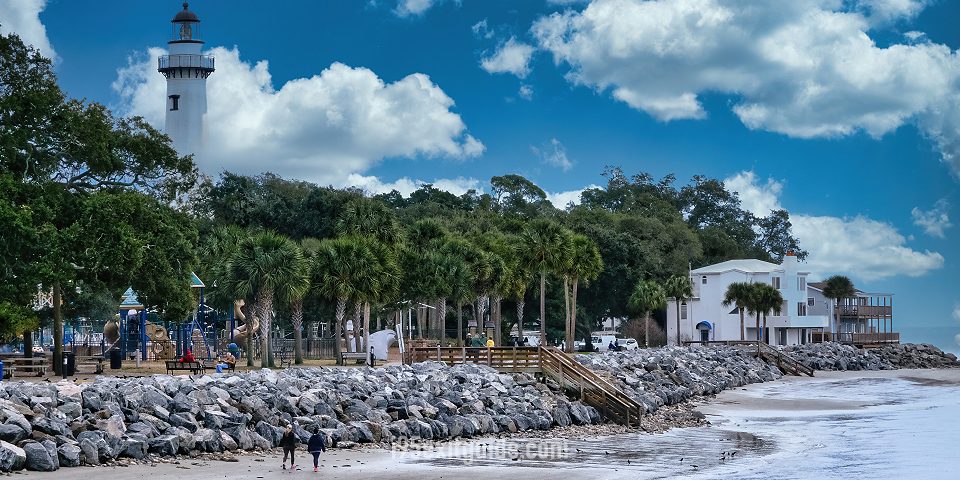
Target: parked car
[{"x": 38, "y": 350}]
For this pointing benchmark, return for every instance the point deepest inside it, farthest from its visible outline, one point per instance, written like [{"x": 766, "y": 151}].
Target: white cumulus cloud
[
  {"x": 933, "y": 221},
  {"x": 23, "y": 18},
  {"x": 803, "y": 68},
  {"x": 406, "y": 8},
  {"x": 406, "y": 185},
  {"x": 322, "y": 128},
  {"x": 860, "y": 246},
  {"x": 562, "y": 199},
  {"x": 956, "y": 313},
  {"x": 511, "y": 57}
]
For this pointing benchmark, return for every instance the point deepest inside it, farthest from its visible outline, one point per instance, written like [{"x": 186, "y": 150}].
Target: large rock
[
  {"x": 38, "y": 458},
  {"x": 12, "y": 457},
  {"x": 12, "y": 433},
  {"x": 90, "y": 453},
  {"x": 165, "y": 445},
  {"x": 69, "y": 455}
]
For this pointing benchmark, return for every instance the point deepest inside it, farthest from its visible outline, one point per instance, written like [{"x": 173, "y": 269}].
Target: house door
[
  {"x": 704, "y": 335},
  {"x": 783, "y": 336}
]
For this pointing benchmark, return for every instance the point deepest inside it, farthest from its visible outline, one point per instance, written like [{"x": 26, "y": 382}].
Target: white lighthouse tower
[{"x": 186, "y": 70}]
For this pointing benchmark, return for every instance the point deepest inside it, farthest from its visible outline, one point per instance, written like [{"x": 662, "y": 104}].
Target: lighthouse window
[{"x": 174, "y": 102}]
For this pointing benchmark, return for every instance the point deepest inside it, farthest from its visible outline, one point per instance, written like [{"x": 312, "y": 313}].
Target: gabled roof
[
  {"x": 745, "y": 265},
  {"x": 130, "y": 300}
]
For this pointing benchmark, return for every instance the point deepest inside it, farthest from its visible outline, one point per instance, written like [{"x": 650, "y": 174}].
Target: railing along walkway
[{"x": 574, "y": 378}]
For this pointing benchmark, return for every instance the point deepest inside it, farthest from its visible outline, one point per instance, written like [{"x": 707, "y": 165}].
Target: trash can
[
  {"x": 116, "y": 359},
  {"x": 71, "y": 361}
]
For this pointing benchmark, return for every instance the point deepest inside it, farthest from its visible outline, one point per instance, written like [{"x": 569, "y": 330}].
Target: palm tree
[
  {"x": 837, "y": 288},
  {"x": 369, "y": 218},
  {"x": 337, "y": 271},
  {"x": 585, "y": 264},
  {"x": 379, "y": 282},
  {"x": 309, "y": 248},
  {"x": 546, "y": 249},
  {"x": 738, "y": 293},
  {"x": 765, "y": 299},
  {"x": 646, "y": 297},
  {"x": 680, "y": 289},
  {"x": 267, "y": 266}
]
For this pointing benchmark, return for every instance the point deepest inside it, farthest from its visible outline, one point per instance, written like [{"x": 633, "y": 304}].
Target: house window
[
  {"x": 775, "y": 281},
  {"x": 174, "y": 102},
  {"x": 801, "y": 309},
  {"x": 802, "y": 283},
  {"x": 810, "y": 301},
  {"x": 703, "y": 279},
  {"x": 683, "y": 310}
]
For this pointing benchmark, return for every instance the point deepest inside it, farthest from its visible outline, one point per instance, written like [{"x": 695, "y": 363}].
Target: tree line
[{"x": 91, "y": 204}]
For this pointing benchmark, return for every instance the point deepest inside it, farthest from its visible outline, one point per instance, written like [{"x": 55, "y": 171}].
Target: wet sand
[{"x": 752, "y": 426}]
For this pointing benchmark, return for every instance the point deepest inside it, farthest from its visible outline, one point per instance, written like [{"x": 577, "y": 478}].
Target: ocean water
[{"x": 884, "y": 425}]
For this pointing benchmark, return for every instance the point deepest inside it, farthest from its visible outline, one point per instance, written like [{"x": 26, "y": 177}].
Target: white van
[{"x": 602, "y": 340}]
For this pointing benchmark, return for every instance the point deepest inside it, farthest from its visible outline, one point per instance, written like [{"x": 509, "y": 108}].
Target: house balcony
[
  {"x": 807, "y": 321},
  {"x": 864, "y": 311}
]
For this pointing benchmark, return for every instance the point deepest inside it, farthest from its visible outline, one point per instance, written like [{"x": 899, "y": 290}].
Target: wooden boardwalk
[{"x": 550, "y": 362}]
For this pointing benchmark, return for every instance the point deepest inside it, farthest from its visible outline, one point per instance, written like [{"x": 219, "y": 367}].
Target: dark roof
[
  {"x": 821, "y": 285},
  {"x": 186, "y": 15}
]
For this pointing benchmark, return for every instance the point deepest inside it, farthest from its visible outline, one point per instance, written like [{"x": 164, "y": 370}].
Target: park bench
[
  {"x": 193, "y": 367},
  {"x": 360, "y": 357},
  {"x": 36, "y": 366}
]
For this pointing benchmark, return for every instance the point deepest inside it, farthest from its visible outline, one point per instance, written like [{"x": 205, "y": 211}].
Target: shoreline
[{"x": 578, "y": 452}]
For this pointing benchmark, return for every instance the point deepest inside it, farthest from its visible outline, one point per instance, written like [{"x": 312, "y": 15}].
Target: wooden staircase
[
  {"x": 550, "y": 362},
  {"x": 592, "y": 389},
  {"x": 785, "y": 363}
]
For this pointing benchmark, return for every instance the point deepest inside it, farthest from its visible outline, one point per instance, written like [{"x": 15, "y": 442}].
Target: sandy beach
[{"x": 884, "y": 421}]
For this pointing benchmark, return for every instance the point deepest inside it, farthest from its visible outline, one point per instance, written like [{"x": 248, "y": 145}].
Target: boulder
[
  {"x": 12, "y": 457},
  {"x": 69, "y": 455},
  {"x": 38, "y": 458},
  {"x": 165, "y": 445}
]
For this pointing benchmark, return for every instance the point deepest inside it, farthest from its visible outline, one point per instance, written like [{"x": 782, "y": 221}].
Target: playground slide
[{"x": 240, "y": 333}]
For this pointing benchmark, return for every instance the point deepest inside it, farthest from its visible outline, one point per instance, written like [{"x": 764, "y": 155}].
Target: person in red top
[{"x": 188, "y": 357}]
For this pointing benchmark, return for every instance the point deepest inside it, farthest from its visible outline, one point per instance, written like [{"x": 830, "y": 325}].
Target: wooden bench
[
  {"x": 193, "y": 367},
  {"x": 36, "y": 366},
  {"x": 360, "y": 357}
]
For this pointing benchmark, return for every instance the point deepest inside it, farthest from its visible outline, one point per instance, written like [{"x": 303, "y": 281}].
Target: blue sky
[{"x": 846, "y": 113}]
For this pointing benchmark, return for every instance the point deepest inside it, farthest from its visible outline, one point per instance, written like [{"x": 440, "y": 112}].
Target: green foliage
[
  {"x": 838, "y": 287},
  {"x": 647, "y": 296}
]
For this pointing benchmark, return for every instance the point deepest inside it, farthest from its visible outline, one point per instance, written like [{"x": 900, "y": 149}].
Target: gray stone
[
  {"x": 165, "y": 445},
  {"x": 38, "y": 458},
  {"x": 135, "y": 446},
  {"x": 91, "y": 455},
  {"x": 12, "y": 457},
  {"x": 69, "y": 455},
  {"x": 12, "y": 433}
]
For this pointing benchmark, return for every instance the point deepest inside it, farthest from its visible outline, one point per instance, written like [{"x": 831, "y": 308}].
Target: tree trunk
[
  {"x": 758, "y": 327},
  {"x": 442, "y": 318},
  {"x": 297, "y": 321},
  {"x": 678, "y": 322},
  {"x": 357, "y": 314},
  {"x": 573, "y": 313},
  {"x": 249, "y": 331},
  {"x": 459, "y": 324},
  {"x": 497, "y": 322},
  {"x": 28, "y": 344},
  {"x": 766, "y": 337},
  {"x": 646, "y": 329},
  {"x": 543, "y": 308},
  {"x": 264, "y": 305},
  {"x": 366, "y": 331},
  {"x": 567, "y": 332},
  {"x": 520, "y": 304},
  {"x": 338, "y": 329},
  {"x": 743, "y": 330},
  {"x": 57, "y": 329}
]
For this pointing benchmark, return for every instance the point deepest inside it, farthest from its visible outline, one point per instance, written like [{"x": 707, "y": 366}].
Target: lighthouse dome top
[{"x": 185, "y": 15}]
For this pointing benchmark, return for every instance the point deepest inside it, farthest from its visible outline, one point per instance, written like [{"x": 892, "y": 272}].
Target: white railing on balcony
[{"x": 205, "y": 62}]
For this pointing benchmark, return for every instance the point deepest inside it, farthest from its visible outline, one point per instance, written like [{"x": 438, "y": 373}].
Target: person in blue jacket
[{"x": 317, "y": 444}]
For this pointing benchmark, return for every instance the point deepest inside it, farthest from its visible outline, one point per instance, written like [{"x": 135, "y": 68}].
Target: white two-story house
[{"x": 704, "y": 318}]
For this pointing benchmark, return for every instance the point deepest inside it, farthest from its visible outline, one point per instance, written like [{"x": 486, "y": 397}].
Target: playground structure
[{"x": 240, "y": 333}]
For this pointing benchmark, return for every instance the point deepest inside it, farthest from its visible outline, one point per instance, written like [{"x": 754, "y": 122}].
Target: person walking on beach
[
  {"x": 289, "y": 443},
  {"x": 317, "y": 444}
]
